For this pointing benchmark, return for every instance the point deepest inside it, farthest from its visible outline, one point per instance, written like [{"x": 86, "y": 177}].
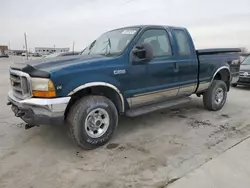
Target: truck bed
[{"x": 218, "y": 56}]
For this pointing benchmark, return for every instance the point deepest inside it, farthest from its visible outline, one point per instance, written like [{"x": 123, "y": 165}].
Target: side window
[
  {"x": 159, "y": 40},
  {"x": 182, "y": 42}
]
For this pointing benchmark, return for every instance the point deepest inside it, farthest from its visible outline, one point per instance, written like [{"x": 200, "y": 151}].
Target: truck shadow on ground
[
  {"x": 242, "y": 87},
  {"x": 185, "y": 111}
]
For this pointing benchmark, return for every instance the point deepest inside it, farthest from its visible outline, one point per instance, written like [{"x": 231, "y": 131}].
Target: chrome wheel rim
[
  {"x": 97, "y": 123},
  {"x": 219, "y": 96}
]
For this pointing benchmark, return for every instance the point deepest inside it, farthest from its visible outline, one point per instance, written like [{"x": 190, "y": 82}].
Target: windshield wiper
[
  {"x": 91, "y": 46},
  {"x": 106, "y": 47}
]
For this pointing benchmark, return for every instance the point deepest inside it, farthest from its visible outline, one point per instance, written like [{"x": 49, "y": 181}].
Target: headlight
[{"x": 42, "y": 87}]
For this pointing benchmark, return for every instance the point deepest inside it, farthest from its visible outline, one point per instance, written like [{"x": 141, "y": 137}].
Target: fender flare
[
  {"x": 91, "y": 84},
  {"x": 218, "y": 70}
]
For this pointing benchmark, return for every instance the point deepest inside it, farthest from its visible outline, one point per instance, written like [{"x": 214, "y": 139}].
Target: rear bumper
[{"x": 37, "y": 111}]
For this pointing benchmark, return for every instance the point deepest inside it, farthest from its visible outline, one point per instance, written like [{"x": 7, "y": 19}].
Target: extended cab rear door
[{"x": 187, "y": 62}]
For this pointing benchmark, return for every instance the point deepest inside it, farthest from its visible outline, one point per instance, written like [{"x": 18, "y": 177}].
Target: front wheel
[
  {"x": 215, "y": 96},
  {"x": 92, "y": 121}
]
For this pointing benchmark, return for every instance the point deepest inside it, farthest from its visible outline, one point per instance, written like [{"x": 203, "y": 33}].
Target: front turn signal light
[
  {"x": 42, "y": 87},
  {"x": 44, "y": 94}
]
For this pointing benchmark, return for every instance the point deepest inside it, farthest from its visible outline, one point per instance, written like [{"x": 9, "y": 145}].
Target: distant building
[{"x": 45, "y": 51}]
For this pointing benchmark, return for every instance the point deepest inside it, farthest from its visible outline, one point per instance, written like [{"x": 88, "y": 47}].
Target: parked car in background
[
  {"x": 36, "y": 55},
  {"x": 60, "y": 54},
  {"x": 242, "y": 57},
  {"x": 3, "y": 55},
  {"x": 128, "y": 71},
  {"x": 244, "y": 74}
]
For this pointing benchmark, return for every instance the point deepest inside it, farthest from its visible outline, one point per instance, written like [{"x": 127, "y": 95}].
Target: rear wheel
[
  {"x": 215, "y": 96},
  {"x": 92, "y": 121}
]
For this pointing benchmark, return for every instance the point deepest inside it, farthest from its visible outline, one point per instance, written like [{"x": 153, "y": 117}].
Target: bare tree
[{"x": 244, "y": 50}]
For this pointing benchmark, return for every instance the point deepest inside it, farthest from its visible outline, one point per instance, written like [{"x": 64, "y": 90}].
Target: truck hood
[
  {"x": 244, "y": 67},
  {"x": 42, "y": 67}
]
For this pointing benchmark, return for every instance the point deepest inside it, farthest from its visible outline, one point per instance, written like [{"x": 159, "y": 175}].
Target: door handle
[{"x": 176, "y": 67}]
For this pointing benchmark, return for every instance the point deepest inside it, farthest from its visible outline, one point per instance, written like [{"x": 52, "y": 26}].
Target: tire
[
  {"x": 83, "y": 118},
  {"x": 234, "y": 85},
  {"x": 212, "y": 98}
]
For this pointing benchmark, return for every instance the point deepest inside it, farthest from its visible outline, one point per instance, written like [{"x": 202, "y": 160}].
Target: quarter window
[{"x": 182, "y": 42}]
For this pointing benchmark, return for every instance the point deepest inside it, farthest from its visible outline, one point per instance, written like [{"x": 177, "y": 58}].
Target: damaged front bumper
[{"x": 39, "y": 111}]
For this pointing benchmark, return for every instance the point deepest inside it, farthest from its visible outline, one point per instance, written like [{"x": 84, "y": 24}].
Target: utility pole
[
  {"x": 26, "y": 46},
  {"x": 9, "y": 52},
  {"x": 73, "y": 47}
]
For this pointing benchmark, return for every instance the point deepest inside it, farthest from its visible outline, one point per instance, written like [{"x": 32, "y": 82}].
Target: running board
[{"x": 155, "y": 107}]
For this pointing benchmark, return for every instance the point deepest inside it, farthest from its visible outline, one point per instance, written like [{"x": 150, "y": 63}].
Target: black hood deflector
[{"x": 31, "y": 71}]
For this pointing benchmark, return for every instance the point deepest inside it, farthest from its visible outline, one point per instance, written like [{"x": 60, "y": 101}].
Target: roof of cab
[
  {"x": 150, "y": 26},
  {"x": 157, "y": 26}
]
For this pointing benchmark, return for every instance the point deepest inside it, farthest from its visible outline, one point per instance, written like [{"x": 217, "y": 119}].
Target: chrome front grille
[
  {"x": 20, "y": 83},
  {"x": 243, "y": 74}
]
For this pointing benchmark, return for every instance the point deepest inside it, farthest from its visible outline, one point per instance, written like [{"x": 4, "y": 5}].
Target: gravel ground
[{"x": 148, "y": 151}]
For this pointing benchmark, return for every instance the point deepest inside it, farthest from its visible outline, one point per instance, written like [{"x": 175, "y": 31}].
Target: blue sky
[{"x": 221, "y": 23}]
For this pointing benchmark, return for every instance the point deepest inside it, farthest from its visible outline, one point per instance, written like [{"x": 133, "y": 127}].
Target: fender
[
  {"x": 218, "y": 70},
  {"x": 91, "y": 84}
]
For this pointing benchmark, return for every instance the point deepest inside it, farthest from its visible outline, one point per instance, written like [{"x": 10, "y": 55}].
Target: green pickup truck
[{"x": 127, "y": 71}]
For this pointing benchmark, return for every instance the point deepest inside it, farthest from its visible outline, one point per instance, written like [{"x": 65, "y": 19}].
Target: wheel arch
[
  {"x": 98, "y": 88},
  {"x": 222, "y": 73}
]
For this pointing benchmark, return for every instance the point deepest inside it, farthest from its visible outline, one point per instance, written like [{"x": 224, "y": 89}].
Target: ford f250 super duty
[{"x": 128, "y": 71}]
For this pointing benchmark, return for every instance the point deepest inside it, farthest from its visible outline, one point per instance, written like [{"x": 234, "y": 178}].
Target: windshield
[
  {"x": 246, "y": 61},
  {"x": 111, "y": 43}
]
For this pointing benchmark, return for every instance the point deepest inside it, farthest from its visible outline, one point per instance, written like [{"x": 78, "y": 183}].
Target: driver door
[{"x": 161, "y": 78}]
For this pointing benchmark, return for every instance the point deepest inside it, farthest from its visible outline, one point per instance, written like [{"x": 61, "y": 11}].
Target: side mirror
[{"x": 143, "y": 52}]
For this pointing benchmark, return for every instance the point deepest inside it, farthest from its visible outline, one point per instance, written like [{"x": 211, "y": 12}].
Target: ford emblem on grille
[{"x": 245, "y": 74}]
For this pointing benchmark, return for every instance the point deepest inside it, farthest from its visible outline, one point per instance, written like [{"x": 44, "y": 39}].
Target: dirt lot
[{"x": 148, "y": 151}]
